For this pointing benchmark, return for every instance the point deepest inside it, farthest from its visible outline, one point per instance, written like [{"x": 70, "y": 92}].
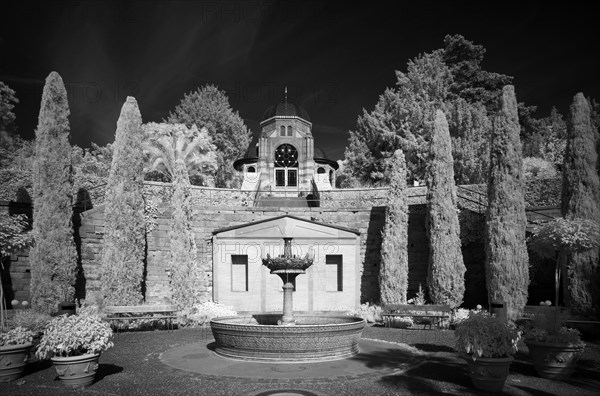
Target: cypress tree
[
  {"x": 446, "y": 271},
  {"x": 184, "y": 266},
  {"x": 393, "y": 274},
  {"x": 581, "y": 199},
  {"x": 124, "y": 228},
  {"x": 53, "y": 256},
  {"x": 506, "y": 261}
]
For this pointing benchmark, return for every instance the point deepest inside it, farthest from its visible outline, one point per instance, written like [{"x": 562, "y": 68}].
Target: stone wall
[{"x": 369, "y": 221}]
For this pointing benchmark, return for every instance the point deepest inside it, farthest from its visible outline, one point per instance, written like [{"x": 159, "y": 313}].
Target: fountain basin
[{"x": 312, "y": 338}]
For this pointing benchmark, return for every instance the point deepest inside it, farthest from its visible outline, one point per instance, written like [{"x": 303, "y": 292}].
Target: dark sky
[{"x": 336, "y": 58}]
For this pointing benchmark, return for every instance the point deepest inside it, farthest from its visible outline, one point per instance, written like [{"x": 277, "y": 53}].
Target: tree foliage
[
  {"x": 13, "y": 233},
  {"x": 53, "y": 257},
  {"x": 165, "y": 144},
  {"x": 177, "y": 151},
  {"x": 450, "y": 78},
  {"x": 8, "y": 100},
  {"x": 208, "y": 107},
  {"x": 581, "y": 199},
  {"x": 124, "y": 225},
  {"x": 393, "y": 273},
  {"x": 506, "y": 262},
  {"x": 446, "y": 270}
]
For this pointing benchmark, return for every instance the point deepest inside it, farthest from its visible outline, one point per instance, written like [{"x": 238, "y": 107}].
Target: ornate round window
[{"x": 286, "y": 156}]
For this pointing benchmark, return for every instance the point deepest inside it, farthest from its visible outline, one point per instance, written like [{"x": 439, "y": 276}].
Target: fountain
[{"x": 287, "y": 337}]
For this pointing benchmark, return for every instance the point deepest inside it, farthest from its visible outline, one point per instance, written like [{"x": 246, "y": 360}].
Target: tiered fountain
[{"x": 287, "y": 338}]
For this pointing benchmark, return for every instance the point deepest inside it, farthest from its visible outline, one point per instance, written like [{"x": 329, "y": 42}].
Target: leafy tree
[
  {"x": 209, "y": 107},
  {"x": 506, "y": 262},
  {"x": 538, "y": 168},
  {"x": 13, "y": 233},
  {"x": 91, "y": 168},
  {"x": 393, "y": 273},
  {"x": 16, "y": 164},
  {"x": 450, "y": 78},
  {"x": 53, "y": 257},
  {"x": 446, "y": 270},
  {"x": 470, "y": 129},
  {"x": 469, "y": 80},
  {"x": 401, "y": 120},
  {"x": 177, "y": 151},
  {"x": 124, "y": 225},
  {"x": 8, "y": 100},
  {"x": 581, "y": 199}
]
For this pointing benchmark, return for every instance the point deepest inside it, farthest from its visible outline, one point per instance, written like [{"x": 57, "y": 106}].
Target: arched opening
[
  {"x": 286, "y": 166},
  {"x": 282, "y": 130},
  {"x": 320, "y": 170},
  {"x": 289, "y": 130},
  {"x": 251, "y": 169}
]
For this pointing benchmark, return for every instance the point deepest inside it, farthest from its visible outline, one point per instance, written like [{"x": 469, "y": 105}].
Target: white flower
[
  {"x": 24, "y": 303},
  {"x": 14, "y": 302},
  {"x": 478, "y": 307},
  {"x": 548, "y": 302}
]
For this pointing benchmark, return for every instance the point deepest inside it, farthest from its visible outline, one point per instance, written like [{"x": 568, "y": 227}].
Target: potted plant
[
  {"x": 74, "y": 344},
  {"x": 15, "y": 346},
  {"x": 488, "y": 346},
  {"x": 554, "y": 348}
]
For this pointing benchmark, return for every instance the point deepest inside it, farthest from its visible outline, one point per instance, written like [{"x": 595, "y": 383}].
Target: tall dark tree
[
  {"x": 506, "y": 261},
  {"x": 469, "y": 80},
  {"x": 208, "y": 107},
  {"x": 53, "y": 256},
  {"x": 124, "y": 225},
  {"x": 446, "y": 271},
  {"x": 581, "y": 199},
  {"x": 393, "y": 273}
]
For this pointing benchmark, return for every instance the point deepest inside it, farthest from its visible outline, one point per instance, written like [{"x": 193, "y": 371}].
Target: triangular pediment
[{"x": 286, "y": 226}]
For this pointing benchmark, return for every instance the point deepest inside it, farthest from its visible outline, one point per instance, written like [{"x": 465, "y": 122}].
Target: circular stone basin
[{"x": 312, "y": 338}]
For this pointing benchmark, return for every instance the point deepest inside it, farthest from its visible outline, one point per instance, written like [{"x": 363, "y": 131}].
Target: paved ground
[{"x": 145, "y": 363}]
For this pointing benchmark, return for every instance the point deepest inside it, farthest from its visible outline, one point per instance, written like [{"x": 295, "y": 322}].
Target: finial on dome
[{"x": 286, "y": 94}]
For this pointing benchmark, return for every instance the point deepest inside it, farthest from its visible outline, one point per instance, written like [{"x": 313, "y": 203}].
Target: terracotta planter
[
  {"x": 76, "y": 372},
  {"x": 13, "y": 359},
  {"x": 488, "y": 374},
  {"x": 553, "y": 361}
]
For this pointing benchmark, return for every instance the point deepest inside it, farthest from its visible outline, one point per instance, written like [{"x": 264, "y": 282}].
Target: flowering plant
[
  {"x": 16, "y": 336},
  {"x": 201, "y": 314},
  {"x": 482, "y": 335},
  {"x": 542, "y": 328},
  {"x": 75, "y": 335}
]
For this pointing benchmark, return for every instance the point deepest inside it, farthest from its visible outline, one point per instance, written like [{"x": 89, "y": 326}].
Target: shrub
[
  {"x": 75, "y": 335},
  {"x": 483, "y": 335},
  {"x": 31, "y": 320},
  {"x": 16, "y": 336},
  {"x": 370, "y": 313},
  {"x": 201, "y": 314}
]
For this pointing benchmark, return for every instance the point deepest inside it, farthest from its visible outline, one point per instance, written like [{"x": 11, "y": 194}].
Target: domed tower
[{"x": 285, "y": 159}]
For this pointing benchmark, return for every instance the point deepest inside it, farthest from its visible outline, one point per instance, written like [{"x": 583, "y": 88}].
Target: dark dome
[
  {"x": 286, "y": 110},
  {"x": 319, "y": 153}
]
